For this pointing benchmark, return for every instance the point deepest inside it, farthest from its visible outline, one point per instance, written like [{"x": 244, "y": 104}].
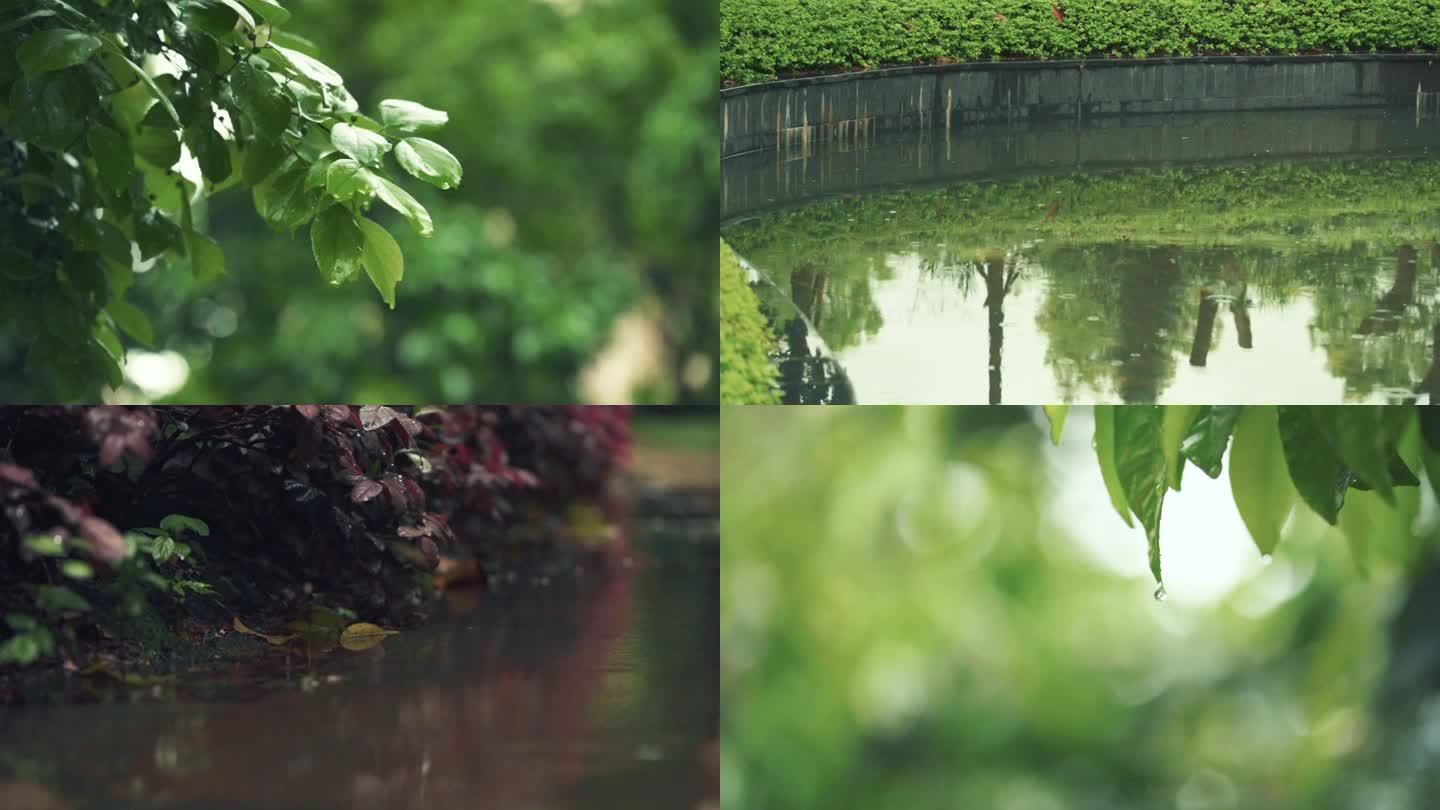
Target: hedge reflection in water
[
  {"x": 1228, "y": 275},
  {"x": 589, "y": 693},
  {"x": 939, "y": 609}
]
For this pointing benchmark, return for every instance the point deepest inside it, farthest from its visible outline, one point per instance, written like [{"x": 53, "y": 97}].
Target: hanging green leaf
[
  {"x": 1259, "y": 477},
  {"x": 1315, "y": 467},
  {"x": 1175, "y": 427},
  {"x": 383, "y": 261},
  {"x": 1363, "y": 441},
  {"x": 1140, "y": 466},
  {"x": 1056, "y": 414},
  {"x": 1105, "y": 452},
  {"x": 1205, "y": 444},
  {"x": 397, "y": 198},
  {"x": 338, "y": 244}
]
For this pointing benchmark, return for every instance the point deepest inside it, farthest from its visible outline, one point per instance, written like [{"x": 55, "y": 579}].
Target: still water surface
[
  {"x": 596, "y": 693},
  {"x": 1245, "y": 258}
]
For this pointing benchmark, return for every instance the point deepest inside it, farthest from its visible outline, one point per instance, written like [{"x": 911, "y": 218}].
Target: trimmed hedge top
[{"x": 762, "y": 39}]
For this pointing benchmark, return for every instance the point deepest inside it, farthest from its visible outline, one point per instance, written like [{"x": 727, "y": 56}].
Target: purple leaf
[{"x": 365, "y": 490}]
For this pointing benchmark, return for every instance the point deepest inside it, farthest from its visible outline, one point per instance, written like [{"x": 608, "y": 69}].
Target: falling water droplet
[
  {"x": 1160, "y": 594},
  {"x": 1266, "y": 559}
]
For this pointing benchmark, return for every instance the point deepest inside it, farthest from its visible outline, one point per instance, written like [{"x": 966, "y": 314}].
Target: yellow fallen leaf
[
  {"x": 363, "y": 636},
  {"x": 273, "y": 639}
]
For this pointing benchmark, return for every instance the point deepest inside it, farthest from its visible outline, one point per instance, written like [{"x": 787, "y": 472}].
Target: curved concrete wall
[
  {"x": 860, "y": 106},
  {"x": 757, "y": 181}
]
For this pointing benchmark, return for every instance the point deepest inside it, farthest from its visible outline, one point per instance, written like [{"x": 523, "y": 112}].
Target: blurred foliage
[
  {"x": 908, "y": 622},
  {"x": 585, "y": 131},
  {"x": 746, "y": 376}
]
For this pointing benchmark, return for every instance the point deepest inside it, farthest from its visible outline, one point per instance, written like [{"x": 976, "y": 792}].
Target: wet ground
[
  {"x": 1219, "y": 258},
  {"x": 597, "y": 690}
]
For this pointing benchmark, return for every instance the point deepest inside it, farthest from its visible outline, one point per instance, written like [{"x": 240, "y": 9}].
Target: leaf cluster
[
  {"x": 1355, "y": 467},
  {"x": 117, "y": 121}
]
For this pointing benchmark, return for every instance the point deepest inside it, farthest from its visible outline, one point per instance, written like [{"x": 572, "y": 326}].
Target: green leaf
[
  {"x": 55, "y": 49},
  {"x": 1205, "y": 444},
  {"x": 1376, "y": 528},
  {"x": 383, "y": 260},
  {"x": 346, "y": 179},
  {"x": 361, "y": 144},
  {"x": 1259, "y": 477},
  {"x": 409, "y": 118},
  {"x": 51, "y": 109},
  {"x": 1175, "y": 427},
  {"x": 1056, "y": 414},
  {"x": 114, "y": 162},
  {"x": 1105, "y": 452},
  {"x": 207, "y": 260},
  {"x": 146, "y": 78},
  {"x": 262, "y": 158},
  {"x": 338, "y": 245},
  {"x": 1140, "y": 466},
  {"x": 46, "y": 545},
  {"x": 179, "y": 524},
  {"x": 22, "y": 649},
  {"x": 241, "y": 11},
  {"x": 1314, "y": 464},
  {"x": 1364, "y": 442},
  {"x": 261, "y": 97},
  {"x": 283, "y": 201},
  {"x": 308, "y": 66},
  {"x": 399, "y": 199},
  {"x": 131, "y": 320},
  {"x": 21, "y": 622},
  {"x": 58, "y": 599},
  {"x": 211, "y": 151},
  {"x": 273, "y": 12},
  {"x": 77, "y": 569},
  {"x": 429, "y": 161},
  {"x": 159, "y": 147}
]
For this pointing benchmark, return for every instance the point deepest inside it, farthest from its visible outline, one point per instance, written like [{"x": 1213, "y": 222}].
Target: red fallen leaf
[
  {"x": 366, "y": 490},
  {"x": 1059, "y": 15},
  {"x": 308, "y": 411},
  {"x": 374, "y": 417},
  {"x": 1001, "y": 17},
  {"x": 105, "y": 543},
  {"x": 1054, "y": 208}
]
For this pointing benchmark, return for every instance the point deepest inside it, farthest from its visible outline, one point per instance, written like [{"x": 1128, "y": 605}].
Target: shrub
[
  {"x": 762, "y": 39},
  {"x": 268, "y": 508},
  {"x": 746, "y": 376}
]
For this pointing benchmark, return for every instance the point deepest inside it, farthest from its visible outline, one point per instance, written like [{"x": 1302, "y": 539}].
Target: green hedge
[
  {"x": 760, "y": 39},
  {"x": 746, "y": 376}
]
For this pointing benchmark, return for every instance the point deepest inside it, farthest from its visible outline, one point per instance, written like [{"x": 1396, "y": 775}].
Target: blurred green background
[
  {"x": 569, "y": 264},
  {"x": 933, "y": 607}
]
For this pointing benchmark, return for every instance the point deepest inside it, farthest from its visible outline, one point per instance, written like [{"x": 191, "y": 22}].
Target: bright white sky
[{"x": 933, "y": 348}]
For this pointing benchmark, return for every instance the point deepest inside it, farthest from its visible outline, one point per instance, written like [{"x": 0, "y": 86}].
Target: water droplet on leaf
[{"x": 1160, "y": 595}]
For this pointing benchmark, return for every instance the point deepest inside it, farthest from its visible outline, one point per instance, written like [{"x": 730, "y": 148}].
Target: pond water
[
  {"x": 1252, "y": 257},
  {"x": 599, "y": 691}
]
